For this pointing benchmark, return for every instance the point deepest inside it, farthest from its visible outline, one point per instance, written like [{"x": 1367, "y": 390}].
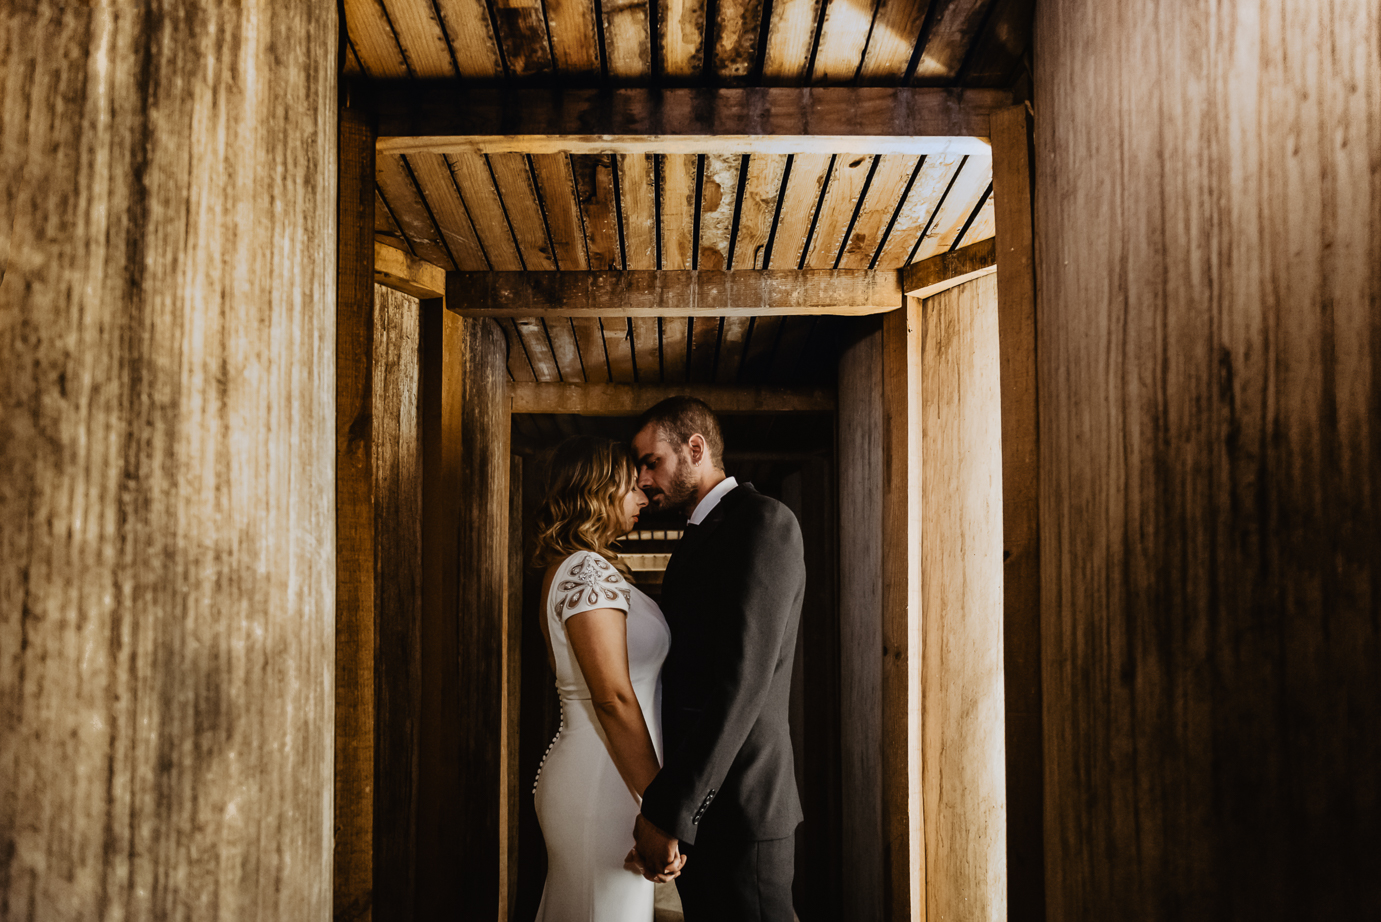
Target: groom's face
[{"x": 665, "y": 472}]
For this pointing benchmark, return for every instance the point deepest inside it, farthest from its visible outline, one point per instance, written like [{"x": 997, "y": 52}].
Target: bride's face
[{"x": 629, "y": 508}]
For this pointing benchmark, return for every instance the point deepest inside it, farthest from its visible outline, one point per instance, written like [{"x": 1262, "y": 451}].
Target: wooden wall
[
  {"x": 1209, "y": 229},
  {"x": 167, "y": 526},
  {"x": 962, "y": 704},
  {"x": 397, "y": 475},
  {"x": 860, "y": 623}
]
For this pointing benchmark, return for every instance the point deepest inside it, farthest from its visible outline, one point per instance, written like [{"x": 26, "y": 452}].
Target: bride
[{"x": 605, "y": 641}]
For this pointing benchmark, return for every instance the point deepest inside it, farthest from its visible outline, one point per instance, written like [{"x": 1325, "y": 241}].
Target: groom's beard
[{"x": 680, "y": 497}]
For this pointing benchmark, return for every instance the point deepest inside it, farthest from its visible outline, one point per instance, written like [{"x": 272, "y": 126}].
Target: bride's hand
[{"x": 633, "y": 863}]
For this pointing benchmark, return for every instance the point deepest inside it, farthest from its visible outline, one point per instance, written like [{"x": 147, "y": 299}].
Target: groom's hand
[{"x": 656, "y": 854}]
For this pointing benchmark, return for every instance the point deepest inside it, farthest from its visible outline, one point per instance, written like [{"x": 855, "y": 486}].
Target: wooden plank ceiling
[{"x": 560, "y": 211}]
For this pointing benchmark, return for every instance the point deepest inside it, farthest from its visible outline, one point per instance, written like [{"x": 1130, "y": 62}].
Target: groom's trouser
[{"x": 738, "y": 880}]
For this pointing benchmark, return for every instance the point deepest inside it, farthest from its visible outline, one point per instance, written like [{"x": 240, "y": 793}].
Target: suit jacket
[{"x": 732, "y": 597}]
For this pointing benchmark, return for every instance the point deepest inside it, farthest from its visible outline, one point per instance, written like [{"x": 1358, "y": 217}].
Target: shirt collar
[{"x": 712, "y": 498}]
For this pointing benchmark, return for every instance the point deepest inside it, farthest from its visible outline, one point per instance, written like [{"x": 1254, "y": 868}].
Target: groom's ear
[{"x": 696, "y": 444}]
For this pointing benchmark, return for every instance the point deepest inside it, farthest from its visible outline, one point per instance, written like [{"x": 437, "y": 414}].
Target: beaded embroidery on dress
[{"x": 585, "y": 808}]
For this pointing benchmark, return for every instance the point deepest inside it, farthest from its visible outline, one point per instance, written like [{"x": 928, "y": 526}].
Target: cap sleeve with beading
[{"x": 587, "y": 581}]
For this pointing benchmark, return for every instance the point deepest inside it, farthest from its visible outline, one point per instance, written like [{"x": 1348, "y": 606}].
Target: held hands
[{"x": 655, "y": 855}]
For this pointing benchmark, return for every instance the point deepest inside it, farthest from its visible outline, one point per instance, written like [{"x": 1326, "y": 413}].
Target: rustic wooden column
[
  {"x": 1021, "y": 573},
  {"x": 1208, "y": 213},
  {"x": 482, "y": 567},
  {"x": 167, "y": 526},
  {"x": 860, "y": 623},
  {"x": 443, "y": 502},
  {"x": 962, "y": 764},
  {"x": 904, "y": 858},
  {"x": 397, "y": 470},
  {"x": 356, "y": 641}
]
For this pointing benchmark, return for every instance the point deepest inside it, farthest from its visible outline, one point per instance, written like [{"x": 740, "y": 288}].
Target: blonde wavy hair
[{"x": 586, "y": 481}]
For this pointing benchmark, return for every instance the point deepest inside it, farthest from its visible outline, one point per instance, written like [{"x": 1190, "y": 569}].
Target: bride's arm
[{"x": 599, "y": 640}]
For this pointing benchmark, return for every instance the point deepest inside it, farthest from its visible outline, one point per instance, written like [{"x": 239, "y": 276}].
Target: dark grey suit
[{"x": 732, "y": 596}]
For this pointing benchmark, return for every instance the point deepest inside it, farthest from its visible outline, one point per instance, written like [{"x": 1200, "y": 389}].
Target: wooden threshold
[
  {"x": 929, "y": 277},
  {"x": 676, "y": 293},
  {"x": 632, "y": 399},
  {"x": 736, "y": 120}
]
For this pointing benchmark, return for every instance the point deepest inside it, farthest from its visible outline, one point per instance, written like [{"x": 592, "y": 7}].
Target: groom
[{"x": 732, "y": 594}]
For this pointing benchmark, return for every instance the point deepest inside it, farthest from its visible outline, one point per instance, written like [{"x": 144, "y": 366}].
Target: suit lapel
[{"x": 695, "y": 538}]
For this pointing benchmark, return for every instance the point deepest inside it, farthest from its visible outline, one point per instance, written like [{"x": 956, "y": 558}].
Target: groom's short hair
[{"x": 679, "y": 418}]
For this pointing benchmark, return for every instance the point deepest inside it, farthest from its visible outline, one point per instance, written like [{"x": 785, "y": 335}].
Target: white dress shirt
[{"x": 712, "y": 498}]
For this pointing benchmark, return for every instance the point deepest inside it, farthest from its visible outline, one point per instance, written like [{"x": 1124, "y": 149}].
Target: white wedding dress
[{"x": 585, "y": 808}]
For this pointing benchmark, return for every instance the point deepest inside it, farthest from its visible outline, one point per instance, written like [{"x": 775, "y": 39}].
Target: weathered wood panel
[
  {"x": 1210, "y": 390},
  {"x": 401, "y": 271},
  {"x": 443, "y": 503},
  {"x": 962, "y": 752},
  {"x": 482, "y": 560},
  {"x": 904, "y": 857},
  {"x": 1021, "y": 588},
  {"x": 396, "y": 469},
  {"x": 167, "y": 346},
  {"x": 929, "y": 277},
  {"x": 673, "y": 293},
  {"x": 627, "y": 400},
  {"x": 356, "y": 640},
  {"x": 860, "y": 624},
  {"x": 740, "y": 120}
]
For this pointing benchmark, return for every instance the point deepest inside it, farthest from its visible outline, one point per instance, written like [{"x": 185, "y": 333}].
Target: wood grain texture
[
  {"x": 629, "y": 400},
  {"x": 590, "y": 338},
  {"x": 860, "y": 623},
  {"x": 929, "y": 277},
  {"x": 386, "y": 229},
  {"x": 481, "y": 782},
  {"x": 1210, "y": 469},
  {"x": 594, "y": 183},
  {"x": 896, "y": 29},
  {"x": 479, "y": 199},
  {"x": 459, "y": 231},
  {"x": 168, "y": 189},
  {"x": 704, "y": 349},
  {"x": 471, "y": 35},
  {"x": 565, "y": 349},
  {"x": 982, "y": 225},
  {"x": 627, "y": 40},
  {"x": 799, "y": 201},
  {"x": 538, "y": 350},
  {"x": 904, "y": 857},
  {"x": 959, "y": 202},
  {"x": 574, "y": 39},
  {"x": 733, "y": 339},
  {"x": 397, "y": 470},
  {"x": 718, "y": 201},
  {"x": 675, "y": 344},
  {"x": 703, "y": 120},
  {"x": 519, "y": 368},
  {"x": 884, "y": 196},
  {"x": 618, "y": 349},
  {"x": 1021, "y": 593},
  {"x": 556, "y": 186},
  {"x": 637, "y": 198},
  {"x": 843, "y": 39},
  {"x": 847, "y": 182},
  {"x": 522, "y": 37},
  {"x": 681, "y": 37},
  {"x": 921, "y": 201},
  {"x": 420, "y": 37},
  {"x": 790, "y": 36},
  {"x": 758, "y": 210},
  {"x": 403, "y": 272},
  {"x": 738, "y": 26},
  {"x": 356, "y": 622},
  {"x": 394, "y": 181},
  {"x": 647, "y": 349},
  {"x": 676, "y": 182},
  {"x": 962, "y": 754},
  {"x": 672, "y": 293},
  {"x": 956, "y": 23},
  {"x": 372, "y": 39},
  {"x": 443, "y": 500},
  {"x": 518, "y": 193}
]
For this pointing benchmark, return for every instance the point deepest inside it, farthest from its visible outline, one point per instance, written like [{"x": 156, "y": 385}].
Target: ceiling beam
[
  {"x": 633, "y": 399},
  {"x": 929, "y": 277},
  {"x": 701, "y": 120},
  {"x": 674, "y": 293},
  {"x": 404, "y": 272}
]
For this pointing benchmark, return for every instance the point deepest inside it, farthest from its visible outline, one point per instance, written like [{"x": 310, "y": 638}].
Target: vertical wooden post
[
  {"x": 355, "y": 621},
  {"x": 398, "y": 594},
  {"x": 902, "y": 806},
  {"x": 482, "y": 565},
  {"x": 513, "y": 686},
  {"x": 860, "y": 624},
  {"x": 167, "y": 536},
  {"x": 441, "y": 391},
  {"x": 1021, "y": 597}
]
